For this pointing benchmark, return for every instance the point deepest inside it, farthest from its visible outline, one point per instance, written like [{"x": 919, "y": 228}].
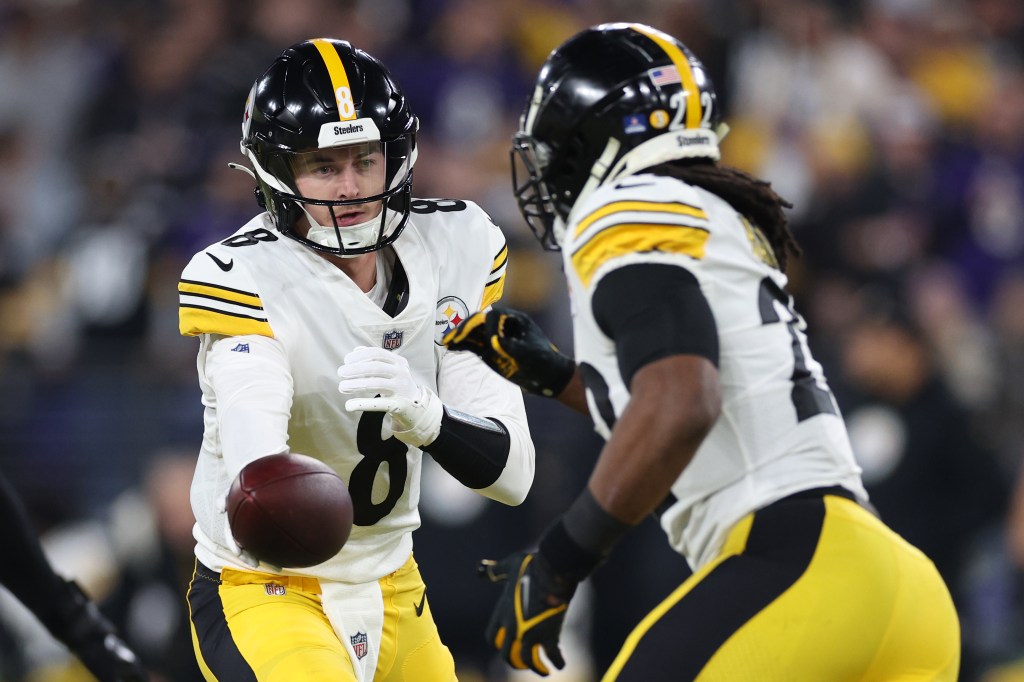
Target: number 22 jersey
[{"x": 780, "y": 430}]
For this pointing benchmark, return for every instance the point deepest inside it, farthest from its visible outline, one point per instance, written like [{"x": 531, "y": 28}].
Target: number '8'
[{"x": 346, "y": 107}]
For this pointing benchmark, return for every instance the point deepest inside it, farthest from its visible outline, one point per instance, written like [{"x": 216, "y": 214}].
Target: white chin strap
[{"x": 356, "y": 236}]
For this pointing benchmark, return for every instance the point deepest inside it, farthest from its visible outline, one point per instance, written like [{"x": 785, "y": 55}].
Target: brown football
[{"x": 289, "y": 510}]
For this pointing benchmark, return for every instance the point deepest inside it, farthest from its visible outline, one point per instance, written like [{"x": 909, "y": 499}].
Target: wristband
[{"x": 582, "y": 538}]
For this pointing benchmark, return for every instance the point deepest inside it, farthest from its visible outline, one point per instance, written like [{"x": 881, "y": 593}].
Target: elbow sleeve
[{"x": 473, "y": 450}]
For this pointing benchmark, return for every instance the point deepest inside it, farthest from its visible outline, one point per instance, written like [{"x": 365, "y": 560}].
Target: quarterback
[
  {"x": 695, "y": 368},
  {"x": 319, "y": 326}
]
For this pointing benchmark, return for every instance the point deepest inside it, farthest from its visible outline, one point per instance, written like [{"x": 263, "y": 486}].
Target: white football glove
[{"x": 415, "y": 410}]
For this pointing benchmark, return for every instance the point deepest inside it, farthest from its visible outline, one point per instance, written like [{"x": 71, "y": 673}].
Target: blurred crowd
[{"x": 895, "y": 128}]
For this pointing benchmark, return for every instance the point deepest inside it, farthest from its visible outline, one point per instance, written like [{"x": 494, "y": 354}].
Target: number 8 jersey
[
  {"x": 275, "y": 320},
  {"x": 780, "y": 430}
]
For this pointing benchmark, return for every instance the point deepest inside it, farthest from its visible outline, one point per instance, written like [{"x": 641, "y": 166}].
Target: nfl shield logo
[
  {"x": 359, "y": 644},
  {"x": 392, "y": 340}
]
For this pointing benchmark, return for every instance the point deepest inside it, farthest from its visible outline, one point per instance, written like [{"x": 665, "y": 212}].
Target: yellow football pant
[
  {"x": 813, "y": 588},
  {"x": 257, "y": 627}
]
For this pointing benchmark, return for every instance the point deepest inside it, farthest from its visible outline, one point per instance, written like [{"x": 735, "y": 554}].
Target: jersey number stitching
[
  {"x": 598, "y": 388},
  {"x": 424, "y": 206},
  {"x": 809, "y": 397},
  {"x": 376, "y": 451}
]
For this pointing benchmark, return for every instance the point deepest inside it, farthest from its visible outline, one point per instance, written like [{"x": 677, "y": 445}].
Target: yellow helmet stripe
[
  {"x": 665, "y": 42},
  {"x": 339, "y": 79}
]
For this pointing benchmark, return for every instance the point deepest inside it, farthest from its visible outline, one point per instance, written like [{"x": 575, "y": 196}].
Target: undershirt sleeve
[{"x": 652, "y": 311}]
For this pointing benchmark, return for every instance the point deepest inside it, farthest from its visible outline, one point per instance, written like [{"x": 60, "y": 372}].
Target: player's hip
[{"x": 812, "y": 587}]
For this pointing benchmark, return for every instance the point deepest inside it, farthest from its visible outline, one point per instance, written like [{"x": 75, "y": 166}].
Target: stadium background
[{"x": 895, "y": 127}]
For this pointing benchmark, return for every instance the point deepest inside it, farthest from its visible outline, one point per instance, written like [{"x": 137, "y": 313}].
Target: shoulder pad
[
  {"x": 638, "y": 214},
  {"x": 468, "y": 230}
]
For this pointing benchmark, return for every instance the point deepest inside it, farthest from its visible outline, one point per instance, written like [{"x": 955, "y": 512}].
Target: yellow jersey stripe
[
  {"x": 205, "y": 290},
  {"x": 676, "y": 208},
  {"x": 493, "y": 291},
  {"x": 626, "y": 238},
  {"x": 665, "y": 42},
  {"x": 339, "y": 78},
  {"x": 500, "y": 260},
  {"x": 194, "y": 320}
]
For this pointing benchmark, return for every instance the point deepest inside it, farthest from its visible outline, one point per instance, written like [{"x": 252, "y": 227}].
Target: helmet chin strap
[
  {"x": 244, "y": 169},
  {"x": 356, "y": 236},
  {"x": 598, "y": 173}
]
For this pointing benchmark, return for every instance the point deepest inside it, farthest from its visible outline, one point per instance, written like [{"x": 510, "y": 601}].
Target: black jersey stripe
[
  {"x": 215, "y": 286},
  {"x": 222, "y": 300},
  {"x": 222, "y": 312}
]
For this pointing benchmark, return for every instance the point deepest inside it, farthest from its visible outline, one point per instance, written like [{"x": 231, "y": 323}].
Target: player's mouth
[{"x": 348, "y": 218}]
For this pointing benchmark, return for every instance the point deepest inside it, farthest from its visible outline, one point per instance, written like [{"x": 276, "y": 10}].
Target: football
[{"x": 289, "y": 510}]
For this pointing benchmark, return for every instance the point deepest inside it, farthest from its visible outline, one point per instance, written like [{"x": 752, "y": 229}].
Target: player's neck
[{"x": 362, "y": 270}]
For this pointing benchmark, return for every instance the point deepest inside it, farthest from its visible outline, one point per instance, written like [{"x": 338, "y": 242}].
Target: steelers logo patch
[
  {"x": 450, "y": 312},
  {"x": 659, "y": 119}
]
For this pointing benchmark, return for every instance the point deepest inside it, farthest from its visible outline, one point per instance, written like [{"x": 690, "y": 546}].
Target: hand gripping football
[{"x": 289, "y": 510}]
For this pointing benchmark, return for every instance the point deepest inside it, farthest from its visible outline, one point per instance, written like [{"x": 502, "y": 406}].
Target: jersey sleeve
[
  {"x": 218, "y": 295},
  {"x": 252, "y": 382},
  {"x": 466, "y": 384},
  {"x": 633, "y": 219},
  {"x": 494, "y": 286}
]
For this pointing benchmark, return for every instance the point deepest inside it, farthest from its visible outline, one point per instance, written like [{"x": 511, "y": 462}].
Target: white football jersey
[
  {"x": 260, "y": 297},
  {"x": 780, "y": 430}
]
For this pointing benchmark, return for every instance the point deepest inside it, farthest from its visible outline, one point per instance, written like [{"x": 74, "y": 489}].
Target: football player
[
  {"x": 344, "y": 276},
  {"x": 695, "y": 368},
  {"x": 59, "y": 604}
]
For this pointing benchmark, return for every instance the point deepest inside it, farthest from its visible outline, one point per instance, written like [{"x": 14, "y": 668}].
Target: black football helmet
[
  {"x": 611, "y": 101},
  {"x": 325, "y": 94}
]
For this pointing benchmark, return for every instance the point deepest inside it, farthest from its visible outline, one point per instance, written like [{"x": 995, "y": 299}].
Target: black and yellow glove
[
  {"x": 512, "y": 344},
  {"x": 529, "y": 614},
  {"x": 539, "y": 584}
]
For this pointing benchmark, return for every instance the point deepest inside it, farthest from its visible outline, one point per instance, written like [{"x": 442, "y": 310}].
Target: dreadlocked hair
[{"x": 753, "y": 198}]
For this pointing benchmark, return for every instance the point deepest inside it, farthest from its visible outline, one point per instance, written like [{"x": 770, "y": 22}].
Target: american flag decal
[
  {"x": 359, "y": 644},
  {"x": 665, "y": 75}
]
